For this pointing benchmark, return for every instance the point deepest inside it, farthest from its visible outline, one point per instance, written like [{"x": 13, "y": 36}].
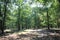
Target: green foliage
[{"x": 26, "y": 16}]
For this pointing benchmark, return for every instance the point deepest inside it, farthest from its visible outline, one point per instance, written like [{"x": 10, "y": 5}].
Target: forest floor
[{"x": 33, "y": 34}]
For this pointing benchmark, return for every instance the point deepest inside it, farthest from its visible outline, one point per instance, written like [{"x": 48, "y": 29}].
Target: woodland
[{"x": 29, "y": 19}]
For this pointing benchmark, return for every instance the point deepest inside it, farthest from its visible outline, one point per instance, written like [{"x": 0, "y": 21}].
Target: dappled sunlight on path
[{"x": 31, "y": 34}]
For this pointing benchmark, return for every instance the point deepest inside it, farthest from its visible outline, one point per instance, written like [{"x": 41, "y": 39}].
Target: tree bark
[
  {"x": 18, "y": 19},
  {"x": 48, "y": 20}
]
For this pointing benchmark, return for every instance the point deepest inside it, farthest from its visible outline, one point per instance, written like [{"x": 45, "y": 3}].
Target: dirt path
[{"x": 32, "y": 35}]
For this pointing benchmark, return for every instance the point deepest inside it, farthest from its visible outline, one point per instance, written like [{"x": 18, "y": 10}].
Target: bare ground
[{"x": 30, "y": 34}]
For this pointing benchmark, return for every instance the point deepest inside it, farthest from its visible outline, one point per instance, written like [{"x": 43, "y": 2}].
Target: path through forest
[{"x": 30, "y": 34}]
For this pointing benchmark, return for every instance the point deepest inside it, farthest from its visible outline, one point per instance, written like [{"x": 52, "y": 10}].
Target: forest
[{"x": 30, "y": 19}]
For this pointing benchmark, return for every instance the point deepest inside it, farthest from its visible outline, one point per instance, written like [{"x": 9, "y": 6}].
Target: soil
[{"x": 30, "y": 34}]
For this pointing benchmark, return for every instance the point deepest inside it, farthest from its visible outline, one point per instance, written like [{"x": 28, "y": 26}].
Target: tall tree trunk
[
  {"x": 4, "y": 16},
  {"x": 18, "y": 19},
  {"x": 48, "y": 20},
  {"x": 1, "y": 26}
]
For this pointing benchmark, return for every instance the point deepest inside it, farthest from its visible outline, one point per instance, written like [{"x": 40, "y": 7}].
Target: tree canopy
[{"x": 25, "y": 14}]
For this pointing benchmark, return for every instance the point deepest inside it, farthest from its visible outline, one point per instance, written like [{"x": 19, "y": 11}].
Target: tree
[
  {"x": 1, "y": 21},
  {"x": 18, "y": 18},
  {"x": 3, "y": 15}
]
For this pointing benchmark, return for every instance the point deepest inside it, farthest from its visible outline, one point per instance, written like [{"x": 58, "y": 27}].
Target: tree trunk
[
  {"x": 18, "y": 19},
  {"x": 1, "y": 21},
  {"x": 48, "y": 20},
  {"x": 4, "y": 17}
]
